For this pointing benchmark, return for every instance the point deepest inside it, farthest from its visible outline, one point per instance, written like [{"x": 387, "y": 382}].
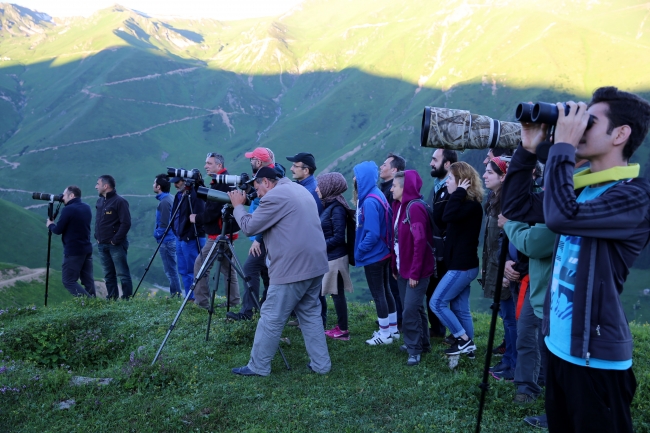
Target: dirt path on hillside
[{"x": 21, "y": 273}]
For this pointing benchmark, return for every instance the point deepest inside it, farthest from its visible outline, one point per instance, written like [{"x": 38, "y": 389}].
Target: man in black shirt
[
  {"x": 112, "y": 224},
  {"x": 74, "y": 228}
]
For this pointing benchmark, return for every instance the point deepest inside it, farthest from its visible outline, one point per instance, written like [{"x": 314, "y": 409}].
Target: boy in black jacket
[{"x": 602, "y": 217}]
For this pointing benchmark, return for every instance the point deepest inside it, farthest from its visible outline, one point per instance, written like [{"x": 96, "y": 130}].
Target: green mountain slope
[{"x": 127, "y": 94}]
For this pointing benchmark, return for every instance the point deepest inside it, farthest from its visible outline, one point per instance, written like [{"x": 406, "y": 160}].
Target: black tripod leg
[
  {"x": 159, "y": 244},
  {"x": 493, "y": 324},
  {"x": 213, "y": 292},
  {"x": 235, "y": 263},
  {"x": 197, "y": 277}
]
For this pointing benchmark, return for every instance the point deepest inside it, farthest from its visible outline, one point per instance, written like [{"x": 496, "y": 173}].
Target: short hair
[
  {"x": 500, "y": 151},
  {"x": 75, "y": 190},
  {"x": 399, "y": 175},
  {"x": 449, "y": 155},
  {"x": 162, "y": 180},
  {"x": 625, "y": 109},
  {"x": 107, "y": 179},
  {"x": 398, "y": 163},
  {"x": 311, "y": 170},
  {"x": 218, "y": 158}
]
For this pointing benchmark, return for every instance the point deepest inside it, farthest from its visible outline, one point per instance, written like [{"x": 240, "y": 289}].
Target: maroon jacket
[{"x": 415, "y": 254}]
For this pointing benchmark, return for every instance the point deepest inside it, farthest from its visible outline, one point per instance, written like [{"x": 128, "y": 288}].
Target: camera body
[{"x": 47, "y": 197}]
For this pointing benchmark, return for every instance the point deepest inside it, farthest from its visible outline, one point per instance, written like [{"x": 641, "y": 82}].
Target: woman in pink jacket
[{"x": 412, "y": 261}]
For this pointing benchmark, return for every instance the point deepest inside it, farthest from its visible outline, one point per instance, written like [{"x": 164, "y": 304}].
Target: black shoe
[
  {"x": 461, "y": 346},
  {"x": 471, "y": 355},
  {"x": 499, "y": 367},
  {"x": 403, "y": 348},
  {"x": 413, "y": 360},
  {"x": 237, "y": 316},
  {"x": 500, "y": 350},
  {"x": 537, "y": 421}
]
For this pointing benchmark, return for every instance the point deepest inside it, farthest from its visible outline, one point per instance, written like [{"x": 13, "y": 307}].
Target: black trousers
[
  {"x": 255, "y": 267},
  {"x": 584, "y": 399},
  {"x": 76, "y": 268}
]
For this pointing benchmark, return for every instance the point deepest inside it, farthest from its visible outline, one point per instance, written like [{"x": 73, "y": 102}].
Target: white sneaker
[
  {"x": 378, "y": 339},
  {"x": 395, "y": 335}
]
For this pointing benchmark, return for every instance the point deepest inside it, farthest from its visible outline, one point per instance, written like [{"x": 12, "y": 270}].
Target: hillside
[
  {"x": 369, "y": 389},
  {"x": 127, "y": 94}
]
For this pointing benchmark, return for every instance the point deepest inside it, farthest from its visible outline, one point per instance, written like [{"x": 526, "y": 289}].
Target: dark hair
[
  {"x": 108, "y": 179},
  {"x": 74, "y": 189},
  {"x": 500, "y": 151},
  {"x": 496, "y": 168},
  {"x": 399, "y": 175},
  {"x": 625, "y": 109},
  {"x": 449, "y": 155},
  {"x": 162, "y": 180},
  {"x": 218, "y": 158},
  {"x": 258, "y": 180},
  {"x": 311, "y": 170},
  {"x": 398, "y": 163}
]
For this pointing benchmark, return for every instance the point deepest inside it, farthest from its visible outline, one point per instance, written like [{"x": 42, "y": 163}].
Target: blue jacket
[
  {"x": 374, "y": 218},
  {"x": 74, "y": 225},
  {"x": 163, "y": 214},
  {"x": 311, "y": 184}
]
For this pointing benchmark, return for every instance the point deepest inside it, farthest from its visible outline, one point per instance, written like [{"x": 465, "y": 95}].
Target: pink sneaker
[
  {"x": 337, "y": 334},
  {"x": 333, "y": 330}
]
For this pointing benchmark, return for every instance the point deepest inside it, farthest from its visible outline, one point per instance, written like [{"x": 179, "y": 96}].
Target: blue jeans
[
  {"x": 78, "y": 268},
  {"x": 186, "y": 253},
  {"x": 450, "y": 302},
  {"x": 507, "y": 313},
  {"x": 113, "y": 259},
  {"x": 168, "y": 257}
]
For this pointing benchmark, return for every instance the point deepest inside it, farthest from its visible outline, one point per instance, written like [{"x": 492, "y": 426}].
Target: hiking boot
[
  {"x": 461, "y": 346},
  {"x": 499, "y": 367},
  {"x": 449, "y": 340},
  {"x": 237, "y": 316},
  {"x": 413, "y": 360},
  {"x": 523, "y": 398},
  {"x": 508, "y": 375},
  {"x": 500, "y": 350},
  {"x": 537, "y": 421},
  {"x": 337, "y": 334},
  {"x": 377, "y": 339}
]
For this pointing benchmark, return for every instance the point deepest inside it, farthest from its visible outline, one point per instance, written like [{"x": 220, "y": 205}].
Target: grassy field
[{"x": 369, "y": 389}]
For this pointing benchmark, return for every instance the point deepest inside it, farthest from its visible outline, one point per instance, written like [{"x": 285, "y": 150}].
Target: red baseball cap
[{"x": 260, "y": 153}]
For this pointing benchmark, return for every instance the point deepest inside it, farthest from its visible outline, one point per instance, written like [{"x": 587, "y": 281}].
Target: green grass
[
  {"x": 191, "y": 388},
  {"x": 23, "y": 294}
]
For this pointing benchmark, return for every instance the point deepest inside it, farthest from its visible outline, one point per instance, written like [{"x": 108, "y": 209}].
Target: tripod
[
  {"x": 221, "y": 250},
  {"x": 51, "y": 214},
  {"x": 186, "y": 194},
  {"x": 496, "y": 304}
]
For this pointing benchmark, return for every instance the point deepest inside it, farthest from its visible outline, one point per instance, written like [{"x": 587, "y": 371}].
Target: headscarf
[
  {"x": 503, "y": 166},
  {"x": 331, "y": 187}
]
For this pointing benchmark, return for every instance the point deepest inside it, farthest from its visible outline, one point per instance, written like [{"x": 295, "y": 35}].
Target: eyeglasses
[{"x": 304, "y": 167}]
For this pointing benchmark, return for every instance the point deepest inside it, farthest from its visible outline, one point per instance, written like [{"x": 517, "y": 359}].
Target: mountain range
[{"x": 127, "y": 94}]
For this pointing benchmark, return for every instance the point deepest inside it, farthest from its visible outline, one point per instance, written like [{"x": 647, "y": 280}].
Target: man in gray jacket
[{"x": 296, "y": 255}]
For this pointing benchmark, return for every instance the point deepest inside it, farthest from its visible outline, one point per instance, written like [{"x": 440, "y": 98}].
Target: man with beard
[{"x": 440, "y": 162}]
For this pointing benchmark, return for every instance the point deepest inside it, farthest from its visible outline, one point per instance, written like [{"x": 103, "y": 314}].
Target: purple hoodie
[{"x": 415, "y": 255}]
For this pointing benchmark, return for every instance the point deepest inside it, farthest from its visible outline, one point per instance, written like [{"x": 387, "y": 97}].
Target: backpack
[{"x": 437, "y": 243}]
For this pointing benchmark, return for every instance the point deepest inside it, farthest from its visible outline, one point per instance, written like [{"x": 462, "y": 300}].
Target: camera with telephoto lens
[
  {"x": 47, "y": 197},
  {"x": 231, "y": 179},
  {"x": 209, "y": 194},
  {"x": 193, "y": 174},
  {"x": 543, "y": 112}
]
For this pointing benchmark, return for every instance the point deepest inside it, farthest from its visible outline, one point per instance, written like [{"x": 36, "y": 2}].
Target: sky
[{"x": 218, "y": 9}]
